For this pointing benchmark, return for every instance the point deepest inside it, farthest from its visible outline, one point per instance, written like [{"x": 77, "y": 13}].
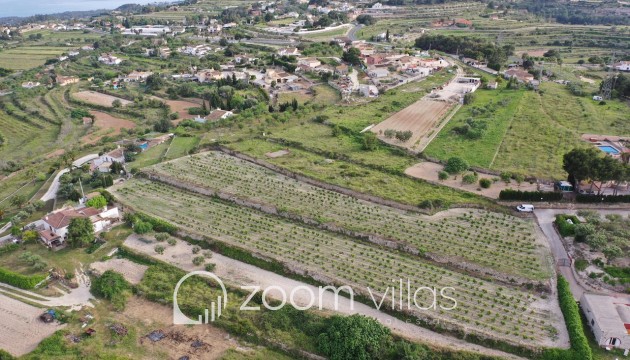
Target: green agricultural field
[
  {"x": 220, "y": 172},
  {"x": 383, "y": 184},
  {"x": 181, "y": 146},
  {"x": 531, "y": 132},
  {"x": 23, "y": 58},
  {"x": 482, "y": 307},
  {"x": 150, "y": 157}
]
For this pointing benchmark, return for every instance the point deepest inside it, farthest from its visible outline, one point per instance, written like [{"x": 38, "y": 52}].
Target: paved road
[
  {"x": 54, "y": 186},
  {"x": 352, "y": 34},
  {"x": 546, "y": 218}
]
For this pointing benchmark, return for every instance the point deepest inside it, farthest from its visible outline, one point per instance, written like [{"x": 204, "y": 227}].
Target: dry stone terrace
[
  {"x": 460, "y": 237},
  {"x": 483, "y": 308}
]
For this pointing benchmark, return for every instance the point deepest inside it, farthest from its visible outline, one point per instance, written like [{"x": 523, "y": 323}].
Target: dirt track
[{"x": 236, "y": 273}]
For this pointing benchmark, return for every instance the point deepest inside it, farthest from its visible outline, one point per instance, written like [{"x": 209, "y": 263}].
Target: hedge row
[
  {"x": 158, "y": 225},
  {"x": 564, "y": 227},
  {"x": 580, "y": 349},
  {"x": 602, "y": 198},
  {"x": 19, "y": 280},
  {"x": 510, "y": 194}
]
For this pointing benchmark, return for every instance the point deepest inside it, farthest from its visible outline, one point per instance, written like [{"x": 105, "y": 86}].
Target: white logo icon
[{"x": 216, "y": 307}]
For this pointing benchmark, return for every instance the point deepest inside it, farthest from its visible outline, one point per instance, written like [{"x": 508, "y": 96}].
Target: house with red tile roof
[{"x": 53, "y": 228}]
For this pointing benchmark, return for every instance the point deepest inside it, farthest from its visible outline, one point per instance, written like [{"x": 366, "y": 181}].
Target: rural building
[
  {"x": 109, "y": 59},
  {"x": 368, "y": 90},
  {"x": 290, "y": 51},
  {"x": 53, "y": 228},
  {"x": 147, "y": 30},
  {"x": 30, "y": 84},
  {"x": 520, "y": 75},
  {"x": 103, "y": 162},
  {"x": 136, "y": 76},
  {"x": 609, "y": 320},
  {"x": 309, "y": 62},
  {"x": 493, "y": 85},
  {"x": 623, "y": 66},
  {"x": 66, "y": 80},
  {"x": 378, "y": 73},
  {"x": 219, "y": 114},
  {"x": 462, "y": 23}
]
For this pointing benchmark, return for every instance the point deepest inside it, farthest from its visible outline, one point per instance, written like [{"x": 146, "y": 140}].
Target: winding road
[
  {"x": 54, "y": 186},
  {"x": 546, "y": 218}
]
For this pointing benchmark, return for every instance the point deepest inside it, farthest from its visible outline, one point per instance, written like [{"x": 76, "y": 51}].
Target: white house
[
  {"x": 53, "y": 228},
  {"x": 30, "y": 84},
  {"x": 219, "y": 114},
  {"x": 609, "y": 319},
  {"x": 147, "y": 30},
  {"x": 310, "y": 62},
  {"x": 109, "y": 59},
  {"x": 136, "y": 76},
  {"x": 378, "y": 73},
  {"x": 368, "y": 90},
  {"x": 623, "y": 66},
  {"x": 103, "y": 162},
  {"x": 290, "y": 51}
]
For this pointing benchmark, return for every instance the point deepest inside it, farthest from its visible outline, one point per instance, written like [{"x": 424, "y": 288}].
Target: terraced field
[
  {"x": 483, "y": 308},
  {"x": 481, "y": 238}
]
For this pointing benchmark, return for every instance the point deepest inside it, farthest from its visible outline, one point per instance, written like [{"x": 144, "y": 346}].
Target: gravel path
[{"x": 236, "y": 273}]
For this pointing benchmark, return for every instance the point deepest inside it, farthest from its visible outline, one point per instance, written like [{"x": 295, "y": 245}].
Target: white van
[{"x": 525, "y": 208}]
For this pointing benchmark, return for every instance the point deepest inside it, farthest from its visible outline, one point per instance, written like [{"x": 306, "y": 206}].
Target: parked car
[
  {"x": 525, "y": 208},
  {"x": 587, "y": 192}
]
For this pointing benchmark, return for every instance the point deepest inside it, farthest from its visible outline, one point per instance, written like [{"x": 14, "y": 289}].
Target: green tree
[
  {"x": 352, "y": 56},
  {"x": 97, "y": 202},
  {"x": 579, "y": 163},
  {"x": 354, "y": 337},
  {"x": 80, "y": 232},
  {"x": 142, "y": 227},
  {"x": 370, "y": 141},
  {"x": 116, "y": 103},
  {"x": 18, "y": 201},
  {"x": 113, "y": 287},
  {"x": 163, "y": 125},
  {"x": 456, "y": 165},
  {"x": 154, "y": 82}
]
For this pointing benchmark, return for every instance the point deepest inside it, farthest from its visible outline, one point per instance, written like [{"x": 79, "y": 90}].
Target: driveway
[
  {"x": 545, "y": 218},
  {"x": 54, "y": 186}
]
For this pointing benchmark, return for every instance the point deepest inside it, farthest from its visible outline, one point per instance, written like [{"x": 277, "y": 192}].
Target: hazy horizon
[{"x": 37, "y": 7}]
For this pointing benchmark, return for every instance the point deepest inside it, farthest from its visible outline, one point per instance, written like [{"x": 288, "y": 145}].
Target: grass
[
  {"x": 23, "y": 58},
  {"x": 532, "y": 132},
  {"x": 399, "y": 188},
  {"x": 181, "y": 146},
  {"x": 151, "y": 156}
]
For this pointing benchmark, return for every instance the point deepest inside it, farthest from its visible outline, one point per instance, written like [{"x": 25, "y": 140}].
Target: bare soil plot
[
  {"x": 429, "y": 171},
  {"x": 421, "y": 118},
  {"x": 20, "y": 328},
  {"x": 97, "y": 98},
  {"x": 131, "y": 271},
  {"x": 181, "y": 107},
  {"x": 277, "y": 154},
  {"x": 214, "y": 342},
  {"x": 106, "y": 125}
]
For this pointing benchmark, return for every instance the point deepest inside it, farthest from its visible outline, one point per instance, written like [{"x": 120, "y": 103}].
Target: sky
[{"x": 36, "y": 7}]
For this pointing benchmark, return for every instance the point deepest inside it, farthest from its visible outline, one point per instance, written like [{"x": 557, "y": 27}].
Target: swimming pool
[{"x": 609, "y": 149}]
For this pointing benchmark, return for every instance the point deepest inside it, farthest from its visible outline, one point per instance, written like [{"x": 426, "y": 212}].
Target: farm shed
[{"x": 609, "y": 320}]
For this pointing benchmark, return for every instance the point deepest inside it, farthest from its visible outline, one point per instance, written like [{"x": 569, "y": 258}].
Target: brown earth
[
  {"x": 97, "y": 98},
  {"x": 106, "y": 125}
]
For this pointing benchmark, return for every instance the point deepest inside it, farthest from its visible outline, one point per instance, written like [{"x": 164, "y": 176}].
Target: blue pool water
[{"x": 609, "y": 149}]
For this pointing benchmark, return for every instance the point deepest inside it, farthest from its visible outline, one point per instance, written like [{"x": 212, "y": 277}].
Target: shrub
[
  {"x": 581, "y": 198},
  {"x": 564, "y": 227},
  {"x": 161, "y": 237},
  {"x": 581, "y": 264},
  {"x": 19, "y": 280},
  {"x": 210, "y": 267},
  {"x": 113, "y": 287},
  {"x": 442, "y": 175},
  {"x": 456, "y": 165},
  {"x": 583, "y": 231},
  {"x": 198, "y": 260},
  {"x": 580, "y": 348},
  {"x": 485, "y": 183},
  {"x": 509, "y": 194},
  {"x": 142, "y": 227},
  {"x": 196, "y": 250},
  {"x": 171, "y": 242},
  {"x": 159, "y": 249},
  {"x": 469, "y": 178}
]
